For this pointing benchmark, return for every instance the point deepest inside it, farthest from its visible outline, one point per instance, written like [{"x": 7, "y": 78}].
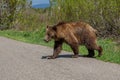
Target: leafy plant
[{"x": 11, "y": 11}]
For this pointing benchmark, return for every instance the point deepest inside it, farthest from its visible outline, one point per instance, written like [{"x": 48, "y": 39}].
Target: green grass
[{"x": 111, "y": 50}]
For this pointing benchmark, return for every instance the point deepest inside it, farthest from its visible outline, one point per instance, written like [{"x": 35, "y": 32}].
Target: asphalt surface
[{"x": 23, "y": 61}]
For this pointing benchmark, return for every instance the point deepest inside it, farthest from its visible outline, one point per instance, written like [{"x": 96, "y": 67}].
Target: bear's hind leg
[
  {"x": 93, "y": 46},
  {"x": 75, "y": 50},
  {"x": 91, "y": 53},
  {"x": 99, "y": 51}
]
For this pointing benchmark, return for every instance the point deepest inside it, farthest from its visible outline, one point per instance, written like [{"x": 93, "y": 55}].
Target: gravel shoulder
[{"x": 23, "y": 61}]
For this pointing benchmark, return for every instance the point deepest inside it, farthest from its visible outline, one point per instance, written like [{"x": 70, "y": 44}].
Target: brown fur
[{"x": 74, "y": 34}]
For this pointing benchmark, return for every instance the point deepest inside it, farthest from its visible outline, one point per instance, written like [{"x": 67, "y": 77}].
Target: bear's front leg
[
  {"x": 57, "y": 49},
  {"x": 51, "y": 57}
]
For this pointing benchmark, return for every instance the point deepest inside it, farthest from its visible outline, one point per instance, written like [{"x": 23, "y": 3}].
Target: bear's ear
[
  {"x": 54, "y": 28},
  {"x": 47, "y": 26}
]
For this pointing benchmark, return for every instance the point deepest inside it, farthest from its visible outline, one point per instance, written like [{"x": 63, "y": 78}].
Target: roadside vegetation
[{"x": 21, "y": 22}]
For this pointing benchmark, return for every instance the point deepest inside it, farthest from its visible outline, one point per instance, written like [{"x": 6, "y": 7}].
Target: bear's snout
[{"x": 46, "y": 40}]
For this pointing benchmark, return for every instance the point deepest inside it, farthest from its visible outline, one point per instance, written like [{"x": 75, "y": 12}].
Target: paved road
[{"x": 22, "y": 61}]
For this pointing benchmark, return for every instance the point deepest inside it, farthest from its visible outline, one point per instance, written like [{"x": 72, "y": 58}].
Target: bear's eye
[{"x": 48, "y": 34}]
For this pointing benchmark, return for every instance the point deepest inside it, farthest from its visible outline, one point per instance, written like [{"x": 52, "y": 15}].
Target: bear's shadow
[{"x": 66, "y": 56}]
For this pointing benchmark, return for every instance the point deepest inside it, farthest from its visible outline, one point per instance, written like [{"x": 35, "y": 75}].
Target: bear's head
[{"x": 50, "y": 33}]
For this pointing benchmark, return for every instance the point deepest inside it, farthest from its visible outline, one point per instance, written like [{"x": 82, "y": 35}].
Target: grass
[{"x": 111, "y": 48}]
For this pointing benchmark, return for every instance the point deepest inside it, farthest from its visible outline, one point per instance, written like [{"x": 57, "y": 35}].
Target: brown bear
[{"x": 74, "y": 34}]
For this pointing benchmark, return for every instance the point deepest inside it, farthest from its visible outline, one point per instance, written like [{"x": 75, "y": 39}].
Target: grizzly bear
[{"x": 74, "y": 34}]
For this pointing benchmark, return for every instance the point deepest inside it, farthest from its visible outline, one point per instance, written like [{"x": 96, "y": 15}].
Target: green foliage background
[
  {"x": 104, "y": 15},
  {"x": 10, "y": 13}
]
